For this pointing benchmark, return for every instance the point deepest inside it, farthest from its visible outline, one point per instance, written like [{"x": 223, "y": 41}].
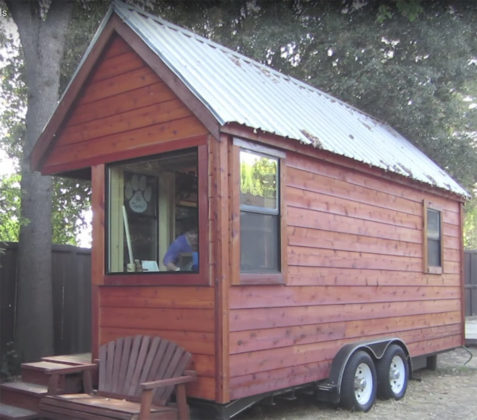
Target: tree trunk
[{"x": 42, "y": 34}]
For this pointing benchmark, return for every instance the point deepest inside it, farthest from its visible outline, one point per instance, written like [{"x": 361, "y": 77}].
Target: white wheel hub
[
  {"x": 363, "y": 383},
  {"x": 397, "y": 374}
]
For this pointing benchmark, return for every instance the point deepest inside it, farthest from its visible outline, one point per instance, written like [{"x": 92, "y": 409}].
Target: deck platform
[{"x": 471, "y": 331}]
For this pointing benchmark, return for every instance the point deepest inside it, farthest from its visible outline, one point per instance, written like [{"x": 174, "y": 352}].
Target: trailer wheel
[
  {"x": 358, "y": 387},
  {"x": 392, "y": 372}
]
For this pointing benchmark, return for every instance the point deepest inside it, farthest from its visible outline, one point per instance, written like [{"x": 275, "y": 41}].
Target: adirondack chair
[{"x": 137, "y": 376}]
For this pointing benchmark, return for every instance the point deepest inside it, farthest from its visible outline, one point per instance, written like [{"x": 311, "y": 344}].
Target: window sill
[
  {"x": 434, "y": 270},
  {"x": 261, "y": 278},
  {"x": 155, "y": 279}
]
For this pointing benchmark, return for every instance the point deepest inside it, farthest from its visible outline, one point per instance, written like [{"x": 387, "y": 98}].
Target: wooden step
[
  {"x": 69, "y": 359},
  {"x": 11, "y": 412},
  {"x": 22, "y": 394},
  {"x": 39, "y": 372},
  {"x": 35, "y": 372}
]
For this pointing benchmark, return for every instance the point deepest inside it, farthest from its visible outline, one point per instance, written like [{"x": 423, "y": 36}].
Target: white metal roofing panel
[{"x": 239, "y": 90}]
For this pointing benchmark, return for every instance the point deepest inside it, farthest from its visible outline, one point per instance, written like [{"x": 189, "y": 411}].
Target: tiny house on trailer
[{"x": 320, "y": 246}]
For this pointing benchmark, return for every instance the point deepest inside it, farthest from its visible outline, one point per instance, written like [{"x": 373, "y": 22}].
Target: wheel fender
[{"x": 376, "y": 349}]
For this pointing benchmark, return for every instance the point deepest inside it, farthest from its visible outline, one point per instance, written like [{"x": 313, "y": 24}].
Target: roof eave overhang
[{"x": 115, "y": 26}]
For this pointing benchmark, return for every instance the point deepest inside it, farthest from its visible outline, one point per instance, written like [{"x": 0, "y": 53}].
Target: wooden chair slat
[
  {"x": 108, "y": 382},
  {"x": 173, "y": 356},
  {"x": 102, "y": 367},
  {"x": 176, "y": 366},
  {"x": 158, "y": 359},
  {"x": 133, "y": 389},
  {"x": 166, "y": 359},
  {"x": 132, "y": 361},
  {"x": 118, "y": 351},
  {"x": 151, "y": 355},
  {"x": 123, "y": 366},
  {"x": 160, "y": 394}
]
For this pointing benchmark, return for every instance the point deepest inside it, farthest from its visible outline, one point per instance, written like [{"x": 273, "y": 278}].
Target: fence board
[
  {"x": 71, "y": 276},
  {"x": 8, "y": 260},
  {"x": 470, "y": 270}
]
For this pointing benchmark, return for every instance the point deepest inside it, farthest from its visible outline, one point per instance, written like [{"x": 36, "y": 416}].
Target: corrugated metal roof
[{"x": 237, "y": 89}]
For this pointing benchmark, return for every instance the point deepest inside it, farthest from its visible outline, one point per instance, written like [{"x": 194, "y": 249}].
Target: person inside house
[{"x": 182, "y": 253}]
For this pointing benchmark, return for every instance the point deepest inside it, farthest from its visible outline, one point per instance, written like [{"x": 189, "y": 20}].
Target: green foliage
[
  {"x": 9, "y": 363},
  {"x": 71, "y": 201},
  {"x": 13, "y": 98},
  {"x": 470, "y": 224},
  {"x": 10, "y": 208},
  {"x": 70, "y": 204},
  {"x": 85, "y": 19},
  {"x": 411, "y": 9},
  {"x": 259, "y": 177}
]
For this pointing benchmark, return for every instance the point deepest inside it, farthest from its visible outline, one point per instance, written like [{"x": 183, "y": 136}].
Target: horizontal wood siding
[
  {"x": 355, "y": 272},
  {"x": 124, "y": 110},
  {"x": 184, "y": 315}
]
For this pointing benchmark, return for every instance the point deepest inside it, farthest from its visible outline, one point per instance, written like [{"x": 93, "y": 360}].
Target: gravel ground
[{"x": 449, "y": 392}]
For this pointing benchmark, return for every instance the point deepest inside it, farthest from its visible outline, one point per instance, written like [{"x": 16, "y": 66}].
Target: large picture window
[{"x": 153, "y": 214}]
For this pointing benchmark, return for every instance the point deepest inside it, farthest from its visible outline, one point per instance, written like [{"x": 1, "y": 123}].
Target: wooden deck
[{"x": 471, "y": 331}]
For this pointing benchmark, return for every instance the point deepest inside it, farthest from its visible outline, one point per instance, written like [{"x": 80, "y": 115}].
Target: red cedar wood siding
[
  {"x": 126, "y": 111},
  {"x": 355, "y": 251}
]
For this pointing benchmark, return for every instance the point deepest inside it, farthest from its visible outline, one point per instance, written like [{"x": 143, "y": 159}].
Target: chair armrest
[
  {"x": 147, "y": 390},
  {"x": 192, "y": 376}
]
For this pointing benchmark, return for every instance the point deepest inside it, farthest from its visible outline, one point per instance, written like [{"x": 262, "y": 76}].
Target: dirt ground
[{"x": 449, "y": 392}]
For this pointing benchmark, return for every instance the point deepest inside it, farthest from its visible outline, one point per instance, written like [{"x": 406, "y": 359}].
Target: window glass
[
  {"x": 259, "y": 213},
  {"x": 259, "y": 242},
  {"x": 434, "y": 238},
  {"x": 258, "y": 182},
  {"x": 152, "y": 214}
]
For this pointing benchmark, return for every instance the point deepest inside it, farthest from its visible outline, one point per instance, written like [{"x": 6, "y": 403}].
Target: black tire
[
  {"x": 393, "y": 373},
  {"x": 359, "y": 384}
]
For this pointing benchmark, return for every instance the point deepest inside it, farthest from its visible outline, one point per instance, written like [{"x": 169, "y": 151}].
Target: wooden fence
[
  {"x": 71, "y": 297},
  {"x": 470, "y": 270}
]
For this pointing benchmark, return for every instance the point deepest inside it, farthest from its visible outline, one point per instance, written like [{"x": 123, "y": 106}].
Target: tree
[
  {"x": 42, "y": 27},
  {"x": 70, "y": 198}
]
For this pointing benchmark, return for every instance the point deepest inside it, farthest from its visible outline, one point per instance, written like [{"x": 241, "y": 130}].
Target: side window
[
  {"x": 259, "y": 232},
  {"x": 259, "y": 213},
  {"x": 433, "y": 254},
  {"x": 153, "y": 214}
]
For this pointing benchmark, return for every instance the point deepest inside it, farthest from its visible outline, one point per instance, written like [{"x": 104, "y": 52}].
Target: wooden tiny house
[{"x": 317, "y": 226}]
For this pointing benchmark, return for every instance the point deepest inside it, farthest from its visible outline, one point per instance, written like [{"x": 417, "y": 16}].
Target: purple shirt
[{"x": 179, "y": 246}]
